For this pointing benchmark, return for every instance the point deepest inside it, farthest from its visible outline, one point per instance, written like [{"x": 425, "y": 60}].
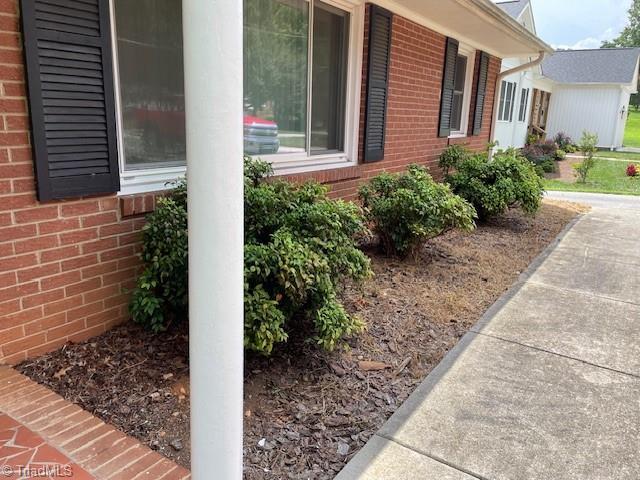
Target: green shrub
[
  {"x": 408, "y": 209},
  {"x": 563, "y": 141},
  {"x": 451, "y": 157},
  {"x": 494, "y": 185},
  {"x": 587, "y": 146},
  {"x": 538, "y": 156},
  {"x": 161, "y": 294},
  {"x": 299, "y": 247},
  {"x": 560, "y": 155}
]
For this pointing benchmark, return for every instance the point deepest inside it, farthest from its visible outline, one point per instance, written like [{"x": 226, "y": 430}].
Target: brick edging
[{"x": 97, "y": 447}]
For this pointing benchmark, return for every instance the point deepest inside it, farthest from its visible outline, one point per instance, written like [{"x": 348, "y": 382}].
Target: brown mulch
[
  {"x": 308, "y": 412},
  {"x": 565, "y": 171}
]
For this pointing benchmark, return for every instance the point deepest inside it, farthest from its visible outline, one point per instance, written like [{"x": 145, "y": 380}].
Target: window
[
  {"x": 507, "y": 101},
  {"x": 461, "y": 93},
  {"x": 148, "y": 38},
  {"x": 458, "y": 93},
  {"x": 524, "y": 102},
  {"x": 296, "y": 58}
]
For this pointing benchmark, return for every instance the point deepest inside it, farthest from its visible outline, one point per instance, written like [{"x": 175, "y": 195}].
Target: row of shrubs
[
  {"x": 301, "y": 246},
  {"x": 544, "y": 154}
]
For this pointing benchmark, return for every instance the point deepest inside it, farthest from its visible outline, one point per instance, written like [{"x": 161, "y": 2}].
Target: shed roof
[
  {"x": 604, "y": 65},
  {"x": 513, "y": 7}
]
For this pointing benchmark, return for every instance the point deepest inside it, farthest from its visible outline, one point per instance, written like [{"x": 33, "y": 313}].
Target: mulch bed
[
  {"x": 565, "y": 171},
  {"x": 307, "y": 412}
]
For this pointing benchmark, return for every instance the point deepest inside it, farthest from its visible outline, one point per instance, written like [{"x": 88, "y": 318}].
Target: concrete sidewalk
[{"x": 546, "y": 386}]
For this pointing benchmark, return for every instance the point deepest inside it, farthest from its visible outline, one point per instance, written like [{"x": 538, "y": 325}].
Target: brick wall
[
  {"x": 417, "y": 64},
  {"x": 66, "y": 267}
]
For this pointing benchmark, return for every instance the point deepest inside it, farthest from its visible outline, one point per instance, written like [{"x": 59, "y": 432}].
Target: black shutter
[
  {"x": 481, "y": 93},
  {"x": 67, "y": 46},
  {"x": 380, "y": 22},
  {"x": 448, "y": 86}
]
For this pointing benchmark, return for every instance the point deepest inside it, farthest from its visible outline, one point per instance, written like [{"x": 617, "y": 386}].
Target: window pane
[
  {"x": 275, "y": 76},
  {"x": 513, "y": 101},
  {"x": 508, "y": 102},
  {"x": 461, "y": 73},
  {"x": 458, "y": 93},
  {"x": 523, "y": 104},
  {"x": 149, "y": 39},
  {"x": 503, "y": 93},
  {"x": 330, "y": 61}
]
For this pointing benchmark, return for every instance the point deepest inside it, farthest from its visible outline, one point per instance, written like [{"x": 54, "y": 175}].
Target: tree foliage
[{"x": 630, "y": 36}]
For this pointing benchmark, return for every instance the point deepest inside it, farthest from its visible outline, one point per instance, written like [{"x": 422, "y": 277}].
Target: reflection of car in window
[{"x": 260, "y": 135}]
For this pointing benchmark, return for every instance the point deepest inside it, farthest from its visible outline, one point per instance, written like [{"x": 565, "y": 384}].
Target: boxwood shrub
[
  {"x": 299, "y": 246},
  {"x": 494, "y": 185},
  {"x": 408, "y": 209}
]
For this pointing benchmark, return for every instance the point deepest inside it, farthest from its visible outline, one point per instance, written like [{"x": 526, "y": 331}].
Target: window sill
[
  {"x": 458, "y": 135},
  {"x": 306, "y": 164},
  {"x": 152, "y": 180},
  {"x": 156, "y": 180}
]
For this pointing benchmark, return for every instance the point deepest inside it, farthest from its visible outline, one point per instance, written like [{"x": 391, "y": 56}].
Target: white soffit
[{"x": 479, "y": 23}]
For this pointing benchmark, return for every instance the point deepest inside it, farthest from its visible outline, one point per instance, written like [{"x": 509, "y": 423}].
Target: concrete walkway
[{"x": 547, "y": 385}]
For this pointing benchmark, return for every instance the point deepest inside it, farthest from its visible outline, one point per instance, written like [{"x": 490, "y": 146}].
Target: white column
[{"x": 213, "y": 90}]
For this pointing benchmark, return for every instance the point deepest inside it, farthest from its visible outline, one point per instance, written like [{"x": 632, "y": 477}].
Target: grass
[
  {"x": 606, "y": 177},
  {"x": 632, "y": 131},
  {"x": 632, "y": 157}
]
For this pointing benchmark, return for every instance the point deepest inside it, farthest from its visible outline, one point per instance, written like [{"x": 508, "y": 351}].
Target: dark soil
[
  {"x": 565, "y": 170},
  {"x": 307, "y": 412}
]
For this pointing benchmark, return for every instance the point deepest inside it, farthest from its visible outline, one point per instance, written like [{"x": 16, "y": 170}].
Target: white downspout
[
  {"x": 213, "y": 98},
  {"x": 501, "y": 76}
]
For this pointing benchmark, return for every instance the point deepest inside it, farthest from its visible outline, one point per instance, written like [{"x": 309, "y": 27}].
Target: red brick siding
[{"x": 66, "y": 267}]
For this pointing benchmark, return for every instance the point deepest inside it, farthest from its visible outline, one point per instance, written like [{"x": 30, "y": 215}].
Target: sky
[{"x": 579, "y": 24}]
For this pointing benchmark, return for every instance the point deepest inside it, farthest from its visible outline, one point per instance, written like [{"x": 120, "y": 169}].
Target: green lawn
[
  {"x": 607, "y": 176},
  {"x": 632, "y": 132},
  {"x": 631, "y": 157}
]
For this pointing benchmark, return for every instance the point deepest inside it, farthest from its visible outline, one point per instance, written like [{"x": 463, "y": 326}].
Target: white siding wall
[
  {"x": 594, "y": 108},
  {"x": 514, "y": 133}
]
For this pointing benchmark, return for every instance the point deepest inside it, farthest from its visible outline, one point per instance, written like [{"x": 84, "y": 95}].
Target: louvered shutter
[
  {"x": 380, "y": 22},
  {"x": 448, "y": 86},
  {"x": 70, "y": 82},
  {"x": 481, "y": 93}
]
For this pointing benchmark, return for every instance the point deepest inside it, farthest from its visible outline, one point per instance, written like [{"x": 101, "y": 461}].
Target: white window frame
[
  {"x": 503, "y": 101},
  {"x": 523, "y": 109},
  {"x": 469, "y": 52},
  {"x": 302, "y": 162},
  {"x": 141, "y": 180},
  {"x": 156, "y": 179}
]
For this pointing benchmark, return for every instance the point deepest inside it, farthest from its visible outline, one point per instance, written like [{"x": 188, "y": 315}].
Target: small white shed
[{"x": 591, "y": 91}]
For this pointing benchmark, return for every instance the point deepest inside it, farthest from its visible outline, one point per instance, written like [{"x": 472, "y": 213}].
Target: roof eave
[
  {"x": 479, "y": 23},
  {"x": 511, "y": 25}
]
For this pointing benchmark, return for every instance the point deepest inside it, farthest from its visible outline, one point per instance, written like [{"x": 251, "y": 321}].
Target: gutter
[{"x": 501, "y": 76}]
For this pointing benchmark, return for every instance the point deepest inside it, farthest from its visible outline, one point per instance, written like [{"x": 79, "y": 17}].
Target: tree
[{"x": 630, "y": 36}]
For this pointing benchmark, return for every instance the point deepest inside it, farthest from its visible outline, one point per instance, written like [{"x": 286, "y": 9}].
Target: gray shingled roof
[
  {"x": 605, "y": 65},
  {"x": 513, "y": 7}
]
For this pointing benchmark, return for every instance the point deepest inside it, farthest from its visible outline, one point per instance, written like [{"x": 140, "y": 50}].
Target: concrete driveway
[{"x": 547, "y": 385}]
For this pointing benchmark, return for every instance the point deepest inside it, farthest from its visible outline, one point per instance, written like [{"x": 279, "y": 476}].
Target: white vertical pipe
[{"x": 213, "y": 92}]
